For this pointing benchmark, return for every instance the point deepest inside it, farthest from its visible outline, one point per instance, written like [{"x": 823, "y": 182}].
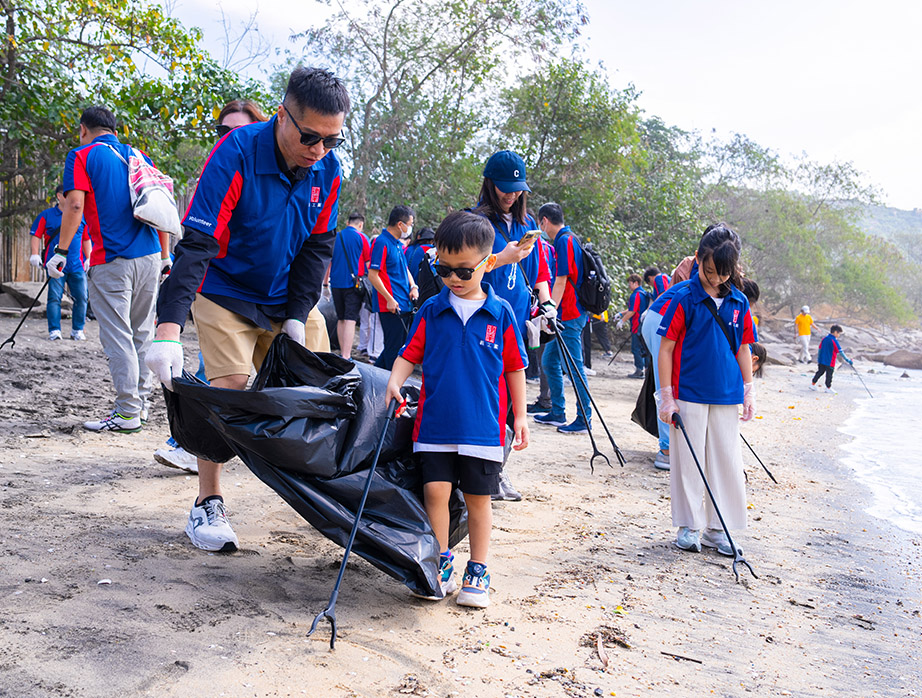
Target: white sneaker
[
  {"x": 145, "y": 412},
  {"x": 54, "y": 334},
  {"x": 588, "y": 371},
  {"x": 713, "y": 538},
  {"x": 813, "y": 386},
  {"x": 177, "y": 458},
  {"x": 115, "y": 422},
  {"x": 830, "y": 391},
  {"x": 78, "y": 335},
  {"x": 208, "y": 528}
]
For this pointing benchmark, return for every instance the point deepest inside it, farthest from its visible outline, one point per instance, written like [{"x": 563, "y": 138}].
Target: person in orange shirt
[{"x": 804, "y": 323}]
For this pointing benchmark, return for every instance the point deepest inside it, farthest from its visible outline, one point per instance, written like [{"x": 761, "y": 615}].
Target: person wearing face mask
[
  {"x": 395, "y": 288},
  {"x": 258, "y": 237}
]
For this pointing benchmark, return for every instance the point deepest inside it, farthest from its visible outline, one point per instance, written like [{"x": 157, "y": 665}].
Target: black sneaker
[{"x": 537, "y": 408}]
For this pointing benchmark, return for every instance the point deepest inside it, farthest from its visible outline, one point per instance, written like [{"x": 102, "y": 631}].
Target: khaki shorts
[{"x": 231, "y": 345}]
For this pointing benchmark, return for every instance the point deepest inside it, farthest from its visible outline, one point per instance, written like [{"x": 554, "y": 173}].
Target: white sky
[{"x": 838, "y": 79}]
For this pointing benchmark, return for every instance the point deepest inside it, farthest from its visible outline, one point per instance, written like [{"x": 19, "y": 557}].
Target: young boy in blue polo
[
  {"x": 826, "y": 358},
  {"x": 470, "y": 348}
]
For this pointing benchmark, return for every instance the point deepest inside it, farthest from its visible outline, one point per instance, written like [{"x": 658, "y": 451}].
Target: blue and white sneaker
[
  {"x": 475, "y": 587},
  {"x": 688, "y": 539},
  {"x": 446, "y": 578},
  {"x": 208, "y": 527},
  {"x": 577, "y": 426},
  {"x": 551, "y": 419}
]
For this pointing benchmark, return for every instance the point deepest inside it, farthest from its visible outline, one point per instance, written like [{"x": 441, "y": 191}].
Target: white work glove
[
  {"x": 533, "y": 332},
  {"x": 749, "y": 402},
  {"x": 55, "y": 266},
  {"x": 325, "y": 292},
  {"x": 164, "y": 359},
  {"x": 549, "y": 310},
  {"x": 35, "y": 260},
  {"x": 86, "y": 265},
  {"x": 166, "y": 265},
  {"x": 294, "y": 329},
  {"x": 619, "y": 325},
  {"x": 666, "y": 404}
]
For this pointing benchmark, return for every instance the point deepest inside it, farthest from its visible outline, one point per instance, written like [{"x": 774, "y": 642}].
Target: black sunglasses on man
[{"x": 311, "y": 139}]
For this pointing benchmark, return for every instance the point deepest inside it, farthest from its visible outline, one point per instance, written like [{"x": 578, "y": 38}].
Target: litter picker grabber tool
[
  {"x": 330, "y": 611},
  {"x": 737, "y": 552},
  {"x": 767, "y": 471},
  {"x": 575, "y": 375},
  {"x": 11, "y": 340},
  {"x": 859, "y": 377},
  {"x": 626, "y": 339}
]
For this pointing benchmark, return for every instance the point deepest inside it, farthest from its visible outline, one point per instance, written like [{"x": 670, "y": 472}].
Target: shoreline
[{"x": 835, "y": 610}]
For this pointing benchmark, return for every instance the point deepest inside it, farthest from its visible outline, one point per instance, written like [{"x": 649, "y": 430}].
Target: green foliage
[{"x": 63, "y": 55}]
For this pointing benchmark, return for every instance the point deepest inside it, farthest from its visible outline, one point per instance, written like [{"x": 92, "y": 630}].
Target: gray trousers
[{"x": 123, "y": 294}]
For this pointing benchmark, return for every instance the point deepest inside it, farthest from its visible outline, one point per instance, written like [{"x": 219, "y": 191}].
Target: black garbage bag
[
  {"x": 644, "y": 412},
  {"x": 308, "y": 428}
]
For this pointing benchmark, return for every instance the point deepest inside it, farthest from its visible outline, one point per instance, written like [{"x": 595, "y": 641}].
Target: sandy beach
[{"x": 103, "y": 595}]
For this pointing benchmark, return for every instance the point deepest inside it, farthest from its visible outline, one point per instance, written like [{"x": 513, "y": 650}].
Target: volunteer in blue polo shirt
[
  {"x": 706, "y": 371},
  {"x": 351, "y": 254},
  {"x": 657, "y": 281},
  {"x": 571, "y": 319},
  {"x": 395, "y": 289},
  {"x": 416, "y": 250},
  {"x": 504, "y": 202},
  {"x": 125, "y": 265},
  {"x": 46, "y": 230},
  {"x": 638, "y": 301},
  {"x": 258, "y": 239}
]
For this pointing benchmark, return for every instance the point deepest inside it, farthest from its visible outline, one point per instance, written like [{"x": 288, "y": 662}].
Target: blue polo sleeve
[
  {"x": 377, "y": 253},
  {"x": 218, "y": 192}
]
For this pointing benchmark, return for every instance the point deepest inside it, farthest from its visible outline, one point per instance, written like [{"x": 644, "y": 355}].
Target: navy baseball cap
[{"x": 507, "y": 170}]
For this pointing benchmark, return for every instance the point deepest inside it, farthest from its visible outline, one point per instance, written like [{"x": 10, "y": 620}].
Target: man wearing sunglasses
[{"x": 258, "y": 237}]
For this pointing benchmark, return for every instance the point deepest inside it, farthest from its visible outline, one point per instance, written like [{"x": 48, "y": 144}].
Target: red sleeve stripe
[
  {"x": 228, "y": 204},
  {"x": 417, "y": 345},
  {"x": 323, "y": 220},
  {"x": 503, "y": 408},
  {"x": 81, "y": 177},
  {"x": 42, "y": 227},
  {"x": 385, "y": 279},
  {"x": 676, "y": 329},
  {"x": 512, "y": 358},
  {"x": 748, "y": 334}
]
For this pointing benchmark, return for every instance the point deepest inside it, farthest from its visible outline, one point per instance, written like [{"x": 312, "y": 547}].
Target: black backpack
[
  {"x": 594, "y": 292},
  {"x": 430, "y": 283}
]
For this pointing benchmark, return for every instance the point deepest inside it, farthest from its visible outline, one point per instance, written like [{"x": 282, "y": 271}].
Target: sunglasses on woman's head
[
  {"x": 312, "y": 139},
  {"x": 463, "y": 273}
]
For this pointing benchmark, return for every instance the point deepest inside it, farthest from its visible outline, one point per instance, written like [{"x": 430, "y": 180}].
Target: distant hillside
[{"x": 903, "y": 228}]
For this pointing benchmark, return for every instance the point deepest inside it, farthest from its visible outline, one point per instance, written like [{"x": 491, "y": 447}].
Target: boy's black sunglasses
[
  {"x": 463, "y": 273},
  {"x": 311, "y": 139}
]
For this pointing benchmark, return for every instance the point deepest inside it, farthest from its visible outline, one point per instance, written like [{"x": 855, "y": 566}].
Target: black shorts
[
  {"x": 348, "y": 302},
  {"x": 472, "y": 475}
]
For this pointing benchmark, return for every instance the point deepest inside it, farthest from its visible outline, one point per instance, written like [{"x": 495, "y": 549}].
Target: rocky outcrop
[{"x": 904, "y": 359}]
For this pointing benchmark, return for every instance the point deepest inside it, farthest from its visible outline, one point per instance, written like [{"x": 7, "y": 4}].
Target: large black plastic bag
[{"x": 316, "y": 453}]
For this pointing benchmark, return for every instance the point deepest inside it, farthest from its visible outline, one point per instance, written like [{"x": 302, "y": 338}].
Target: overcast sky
[{"x": 838, "y": 79}]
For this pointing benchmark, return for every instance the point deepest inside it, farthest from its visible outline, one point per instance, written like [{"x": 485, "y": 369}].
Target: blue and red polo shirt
[
  {"x": 660, "y": 284},
  {"x": 259, "y": 217},
  {"x": 829, "y": 350},
  {"x": 661, "y": 304},
  {"x": 414, "y": 255},
  {"x": 638, "y": 301},
  {"x": 464, "y": 362},
  {"x": 350, "y": 258},
  {"x": 569, "y": 255},
  {"x": 115, "y": 232},
  {"x": 47, "y": 227},
  {"x": 704, "y": 365},
  {"x": 507, "y": 280},
  {"x": 388, "y": 259},
  {"x": 549, "y": 255}
]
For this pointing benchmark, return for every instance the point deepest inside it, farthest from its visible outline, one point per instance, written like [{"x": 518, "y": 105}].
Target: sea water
[{"x": 885, "y": 451}]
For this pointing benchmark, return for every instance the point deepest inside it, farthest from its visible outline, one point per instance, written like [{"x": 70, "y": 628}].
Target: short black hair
[
  {"x": 553, "y": 212},
  {"x": 835, "y": 328},
  {"x": 463, "y": 229},
  {"x": 317, "y": 89},
  {"x": 761, "y": 353},
  {"x": 400, "y": 214},
  {"x": 355, "y": 217},
  {"x": 635, "y": 279},
  {"x": 95, "y": 118},
  {"x": 59, "y": 189},
  {"x": 751, "y": 290},
  {"x": 650, "y": 272}
]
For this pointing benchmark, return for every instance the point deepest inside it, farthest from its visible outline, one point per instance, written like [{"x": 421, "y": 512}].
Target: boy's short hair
[
  {"x": 650, "y": 273},
  {"x": 635, "y": 279},
  {"x": 355, "y": 217},
  {"x": 400, "y": 214},
  {"x": 317, "y": 89},
  {"x": 553, "y": 212},
  {"x": 835, "y": 328},
  {"x": 751, "y": 290},
  {"x": 463, "y": 229},
  {"x": 95, "y": 118}
]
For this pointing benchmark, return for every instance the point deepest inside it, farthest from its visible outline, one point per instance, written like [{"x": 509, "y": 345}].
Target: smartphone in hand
[{"x": 528, "y": 238}]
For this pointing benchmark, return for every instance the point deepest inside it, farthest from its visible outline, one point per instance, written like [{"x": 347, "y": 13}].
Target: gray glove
[
  {"x": 164, "y": 359},
  {"x": 294, "y": 329}
]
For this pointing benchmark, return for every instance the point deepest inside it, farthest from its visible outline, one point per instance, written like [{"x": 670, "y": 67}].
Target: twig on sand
[{"x": 678, "y": 657}]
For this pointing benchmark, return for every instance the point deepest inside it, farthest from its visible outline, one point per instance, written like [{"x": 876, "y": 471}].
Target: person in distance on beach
[
  {"x": 470, "y": 348},
  {"x": 804, "y": 323},
  {"x": 258, "y": 238},
  {"x": 637, "y": 303},
  {"x": 705, "y": 366},
  {"x": 826, "y": 358}
]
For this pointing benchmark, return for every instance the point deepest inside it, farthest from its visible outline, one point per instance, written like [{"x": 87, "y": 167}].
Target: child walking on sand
[
  {"x": 470, "y": 348},
  {"x": 705, "y": 368},
  {"x": 826, "y": 358}
]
